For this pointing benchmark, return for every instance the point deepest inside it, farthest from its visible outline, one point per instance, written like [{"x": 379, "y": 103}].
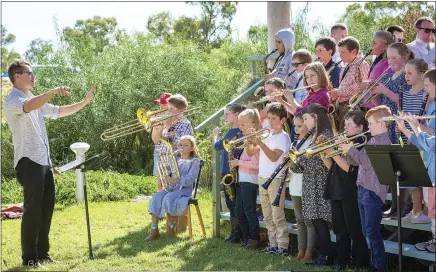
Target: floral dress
[{"x": 314, "y": 180}]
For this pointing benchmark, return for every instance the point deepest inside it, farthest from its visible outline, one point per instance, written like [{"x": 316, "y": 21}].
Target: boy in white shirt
[{"x": 273, "y": 150}]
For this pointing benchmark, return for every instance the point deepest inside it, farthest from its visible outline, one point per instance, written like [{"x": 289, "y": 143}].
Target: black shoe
[
  {"x": 244, "y": 243},
  {"x": 46, "y": 259},
  {"x": 339, "y": 267},
  {"x": 34, "y": 264}
]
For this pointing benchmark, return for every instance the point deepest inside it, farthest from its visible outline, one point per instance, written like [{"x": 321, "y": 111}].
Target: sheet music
[{"x": 68, "y": 166}]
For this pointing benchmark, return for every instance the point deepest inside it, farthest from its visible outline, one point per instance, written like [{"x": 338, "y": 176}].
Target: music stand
[
  {"x": 396, "y": 165},
  {"x": 84, "y": 166}
]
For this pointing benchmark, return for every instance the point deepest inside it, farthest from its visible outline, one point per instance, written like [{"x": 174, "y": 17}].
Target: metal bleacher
[{"x": 390, "y": 246}]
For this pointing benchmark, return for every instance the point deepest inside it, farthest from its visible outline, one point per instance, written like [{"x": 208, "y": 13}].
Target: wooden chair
[{"x": 193, "y": 201}]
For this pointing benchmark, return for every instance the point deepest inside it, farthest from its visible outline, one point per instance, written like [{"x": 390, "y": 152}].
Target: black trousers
[
  {"x": 39, "y": 199},
  {"x": 347, "y": 227},
  {"x": 323, "y": 234},
  {"x": 245, "y": 209}
]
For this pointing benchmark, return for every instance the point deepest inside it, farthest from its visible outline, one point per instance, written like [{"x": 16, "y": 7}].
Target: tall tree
[
  {"x": 160, "y": 25},
  {"x": 8, "y": 56},
  {"x": 39, "y": 51},
  {"x": 97, "y": 32},
  {"x": 258, "y": 34}
]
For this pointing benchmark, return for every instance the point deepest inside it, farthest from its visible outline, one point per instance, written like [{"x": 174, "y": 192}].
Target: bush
[{"x": 101, "y": 186}]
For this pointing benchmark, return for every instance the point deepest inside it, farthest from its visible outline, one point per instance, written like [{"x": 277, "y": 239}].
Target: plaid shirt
[
  {"x": 349, "y": 84},
  {"x": 180, "y": 128}
]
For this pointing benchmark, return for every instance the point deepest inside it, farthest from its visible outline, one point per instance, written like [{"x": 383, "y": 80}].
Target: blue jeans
[
  {"x": 245, "y": 208},
  {"x": 370, "y": 208},
  {"x": 230, "y": 204}
]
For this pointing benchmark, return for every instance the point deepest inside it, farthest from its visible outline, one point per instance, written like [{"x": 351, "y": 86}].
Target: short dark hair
[
  {"x": 276, "y": 82},
  {"x": 421, "y": 20},
  {"x": 431, "y": 75},
  {"x": 303, "y": 55},
  {"x": 179, "y": 101},
  {"x": 235, "y": 107},
  {"x": 277, "y": 109},
  {"x": 328, "y": 43},
  {"x": 393, "y": 28},
  {"x": 358, "y": 118},
  {"x": 338, "y": 26},
  {"x": 17, "y": 67},
  {"x": 350, "y": 43}
]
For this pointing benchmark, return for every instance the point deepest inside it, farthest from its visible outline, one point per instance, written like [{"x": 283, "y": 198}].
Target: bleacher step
[{"x": 390, "y": 247}]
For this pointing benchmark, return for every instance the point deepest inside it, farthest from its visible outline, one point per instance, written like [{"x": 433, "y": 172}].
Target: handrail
[{"x": 215, "y": 117}]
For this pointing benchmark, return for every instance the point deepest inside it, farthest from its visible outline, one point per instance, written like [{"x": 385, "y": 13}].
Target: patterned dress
[
  {"x": 176, "y": 202},
  {"x": 395, "y": 85},
  {"x": 314, "y": 180}
]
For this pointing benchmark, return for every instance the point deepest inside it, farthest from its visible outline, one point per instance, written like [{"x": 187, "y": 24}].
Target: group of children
[{"x": 338, "y": 191}]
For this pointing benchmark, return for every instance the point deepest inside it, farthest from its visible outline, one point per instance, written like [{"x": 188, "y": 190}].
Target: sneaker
[
  {"x": 270, "y": 250},
  {"x": 281, "y": 252},
  {"x": 431, "y": 246},
  {"x": 408, "y": 218},
  {"x": 421, "y": 246},
  {"x": 321, "y": 260},
  {"x": 46, "y": 259},
  {"x": 421, "y": 219}
]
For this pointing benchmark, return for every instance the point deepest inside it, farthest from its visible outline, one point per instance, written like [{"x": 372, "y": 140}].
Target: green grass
[{"x": 118, "y": 232}]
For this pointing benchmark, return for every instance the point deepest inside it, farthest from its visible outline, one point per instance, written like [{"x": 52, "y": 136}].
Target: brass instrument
[
  {"x": 356, "y": 100},
  {"x": 168, "y": 168},
  {"x": 311, "y": 151},
  {"x": 243, "y": 141},
  {"x": 396, "y": 118},
  {"x": 145, "y": 120},
  {"x": 269, "y": 97},
  {"x": 230, "y": 180}
]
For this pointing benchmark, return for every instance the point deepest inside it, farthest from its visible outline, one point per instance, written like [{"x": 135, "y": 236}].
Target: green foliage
[
  {"x": 258, "y": 34},
  {"x": 39, "y": 51},
  {"x": 101, "y": 186},
  {"x": 160, "y": 25},
  {"x": 380, "y": 15},
  {"x": 7, "y": 56}
]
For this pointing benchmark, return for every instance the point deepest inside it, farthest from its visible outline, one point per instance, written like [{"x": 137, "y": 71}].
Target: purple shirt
[
  {"x": 376, "y": 71},
  {"x": 366, "y": 176},
  {"x": 321, "y": 97}
]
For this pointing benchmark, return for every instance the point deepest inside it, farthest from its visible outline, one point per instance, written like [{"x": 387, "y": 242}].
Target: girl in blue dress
[{"x": 174, "y": 199}]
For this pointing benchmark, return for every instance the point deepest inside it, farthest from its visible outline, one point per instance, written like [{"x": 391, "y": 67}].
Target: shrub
[{"x": 101, "y": 186}]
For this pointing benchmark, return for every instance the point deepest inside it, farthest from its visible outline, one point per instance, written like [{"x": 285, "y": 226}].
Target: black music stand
[
  {"x": 84, "y": 166},
  {"x": 396, "y": 165}
]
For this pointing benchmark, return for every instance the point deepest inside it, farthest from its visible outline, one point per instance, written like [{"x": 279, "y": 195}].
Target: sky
[{"x": 132, "y": 16}]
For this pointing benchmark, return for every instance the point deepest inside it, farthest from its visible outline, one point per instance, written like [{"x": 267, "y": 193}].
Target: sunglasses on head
[{"x": 428, "y": 30}]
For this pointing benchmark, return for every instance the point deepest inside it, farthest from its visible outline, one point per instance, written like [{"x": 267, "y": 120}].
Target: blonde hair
[
  {"x": 253, "y": 115},
  {"x": 179, "y": 101},
  {"x": 379, "y": 112},
  {"x": 420, "y": 65},
  {"x": 318, "y": 68},
  {"x": 403, "y": 50},
  {"x": 191, "y": 139}
]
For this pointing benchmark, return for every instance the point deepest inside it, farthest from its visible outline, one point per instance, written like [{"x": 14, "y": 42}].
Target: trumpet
[
  {"x": 396, "y": 118},
  {"x": 243, "y": 141},
  {"x": 145, "y": 120},
  {"x": 269, "y": 97},
  {"x": 310, "y": 152},
  {"x": 355, "y": 100}
]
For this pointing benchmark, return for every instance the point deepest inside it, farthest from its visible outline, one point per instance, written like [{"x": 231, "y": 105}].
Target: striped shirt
[
  {"x": 29, "y": 134},
  {"x": 180, "y": 128},
  {"x": 349, "y": 83},
  {"x": 412, "y": 103}
]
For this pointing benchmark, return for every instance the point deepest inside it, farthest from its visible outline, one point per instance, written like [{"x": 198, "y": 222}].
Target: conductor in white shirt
[
  {"x": 422, "y": 46},
  {"x": 25, "y": 114}
]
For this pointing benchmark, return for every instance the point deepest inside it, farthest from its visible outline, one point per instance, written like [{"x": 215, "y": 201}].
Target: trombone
[
  {"x": 356, "y": 99},
  {"x": 396, "y": 118},
  {"x": 269, "y": 97},
  {"x": 145, "y": 120},
  {"x": 243, "y": 141}
]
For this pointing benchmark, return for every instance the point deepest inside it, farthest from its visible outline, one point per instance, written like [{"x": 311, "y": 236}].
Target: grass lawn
[{"x": 118, "y": 232}]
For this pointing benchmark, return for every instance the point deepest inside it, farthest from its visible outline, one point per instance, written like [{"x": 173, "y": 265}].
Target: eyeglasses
[
  {"x": 29, "y": 73},
  {"x": 295, "y": 64},
  {"x": 401, "y": 40},
  {"x": 428, "y": 30}
]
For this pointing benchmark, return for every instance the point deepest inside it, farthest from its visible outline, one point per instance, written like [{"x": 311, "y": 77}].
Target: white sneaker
[
  {"x": 421, "y": 219},
  {"x": 408, "y": 218}
]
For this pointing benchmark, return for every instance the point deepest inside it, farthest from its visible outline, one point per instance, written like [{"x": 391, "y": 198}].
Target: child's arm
[
  {"x": 189, "y": 178},
  {"x": 424, "y": 141},
  {"x": 156, "y": 134},
  {"x": 273, "y": 155},
  {"x": 290, "y": 106},
  {"x": 252, "y": 164},
  {"x": 252, "y": 150},
  {"x": 218, "y": 145},
  {"x": 356, "y": 157}
]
